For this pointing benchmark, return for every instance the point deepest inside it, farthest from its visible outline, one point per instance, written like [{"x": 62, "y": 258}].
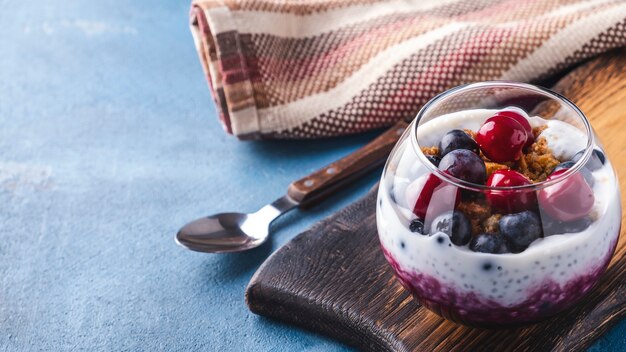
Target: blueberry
[
  {"x": 551, "y": 227},
  {"x": 457, "y": 139},
  {"x": 454, "y": 224},
  {"x": 584, "y": 171},
  {"x": 595, "y": 162},
  {"x": 564, "y": 165},
  {"x": 577, "y": 225},
  {"x": 416, "y": 225},
  {"x": 464, "y": 164},
  {"x": 433, "y": 159},
  {"x": 555, "y": 227},
  {"x": 489, "y": 243},
  {"x": 521, "y": 229}
]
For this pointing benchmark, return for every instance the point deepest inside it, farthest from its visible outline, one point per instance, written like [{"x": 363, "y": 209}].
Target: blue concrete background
[{"x": 108, "y": 144}]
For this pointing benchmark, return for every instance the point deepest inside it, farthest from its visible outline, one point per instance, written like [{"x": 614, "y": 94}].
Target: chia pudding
[{"x": 488, "y": 256}]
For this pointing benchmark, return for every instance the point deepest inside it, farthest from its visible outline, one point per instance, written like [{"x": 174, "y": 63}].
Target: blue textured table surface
[{"x": 109, "y": 143}]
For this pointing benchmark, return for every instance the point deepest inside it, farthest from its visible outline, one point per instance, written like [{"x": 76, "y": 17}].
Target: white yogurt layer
[
  {"x": 559, "y": 258},
  {"x": 564, "y": 139}
]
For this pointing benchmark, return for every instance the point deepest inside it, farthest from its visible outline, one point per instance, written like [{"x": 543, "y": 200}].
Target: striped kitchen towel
[{"x": 317, "y": 68}]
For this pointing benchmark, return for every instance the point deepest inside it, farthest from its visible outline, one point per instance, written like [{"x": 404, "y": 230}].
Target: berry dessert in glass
[{"x": 498, "y": 206}]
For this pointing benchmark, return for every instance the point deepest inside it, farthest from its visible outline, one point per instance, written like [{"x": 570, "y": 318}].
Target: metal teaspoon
[{"x": 234, "y": 232}]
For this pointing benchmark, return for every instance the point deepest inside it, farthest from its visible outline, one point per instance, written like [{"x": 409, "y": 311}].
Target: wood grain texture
[
  {"x": 334, "y": 279},
  {"x": 328, "y": 179}
]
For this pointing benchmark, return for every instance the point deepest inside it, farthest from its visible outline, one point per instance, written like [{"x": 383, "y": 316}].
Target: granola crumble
[
  {"x": 477, "y": 211},
  {"x": 492, "y": 223},
  {"x": 493, "y": 167},
  {"x": 538, "y": 162},
  {"x": 430, "y": 150},
  {"x": 537, "y": 130}
]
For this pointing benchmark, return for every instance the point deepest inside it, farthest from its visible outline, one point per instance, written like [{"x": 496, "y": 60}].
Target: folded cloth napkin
[{"x": 317, "y": 68}]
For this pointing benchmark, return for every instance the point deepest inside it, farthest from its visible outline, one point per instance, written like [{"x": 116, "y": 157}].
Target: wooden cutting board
[{"x": 333, "y": 278}]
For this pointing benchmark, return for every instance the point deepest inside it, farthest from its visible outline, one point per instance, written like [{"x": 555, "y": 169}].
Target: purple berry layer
[{"x": 467, "y": 307}]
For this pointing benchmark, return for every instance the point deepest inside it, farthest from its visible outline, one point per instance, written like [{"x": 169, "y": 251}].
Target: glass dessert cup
[{"x": 498, "y": 243}]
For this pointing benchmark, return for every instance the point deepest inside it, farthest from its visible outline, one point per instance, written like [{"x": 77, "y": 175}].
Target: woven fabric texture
[{"x": 321, "y": 68}]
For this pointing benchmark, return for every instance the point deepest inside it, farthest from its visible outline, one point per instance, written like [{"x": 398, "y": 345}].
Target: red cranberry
[
  {"x": 510, "y": 201},
  {"x": 435, "y": 197},
  {"x": 501, "y": 138},
  {"x": 568, "y": 200},
  {"x": 522, "y": 121}
]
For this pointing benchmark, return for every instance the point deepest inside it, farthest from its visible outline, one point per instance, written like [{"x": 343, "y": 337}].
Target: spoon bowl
[
  {"x": 232, "y": 232},
  {"x": 220, "y": 233}
]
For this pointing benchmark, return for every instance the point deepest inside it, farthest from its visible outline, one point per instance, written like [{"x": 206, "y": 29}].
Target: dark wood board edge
[{"x": 271, "y": 301}]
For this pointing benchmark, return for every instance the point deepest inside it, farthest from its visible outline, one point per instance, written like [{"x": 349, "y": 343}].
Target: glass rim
[{"x": 511, "y": 84}]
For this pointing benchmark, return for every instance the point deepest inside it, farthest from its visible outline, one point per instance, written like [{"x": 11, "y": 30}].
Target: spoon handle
[{"x": 324, "y": 181}]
